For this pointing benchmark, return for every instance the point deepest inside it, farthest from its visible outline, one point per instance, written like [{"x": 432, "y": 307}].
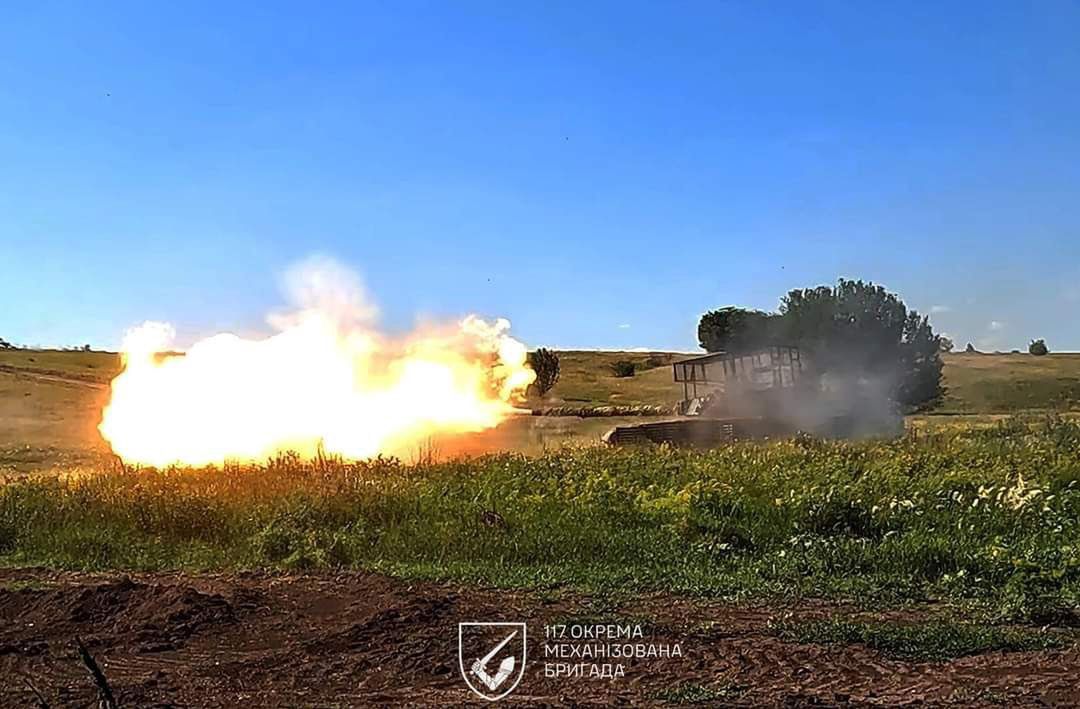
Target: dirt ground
[{"x": 356, "y": 639}]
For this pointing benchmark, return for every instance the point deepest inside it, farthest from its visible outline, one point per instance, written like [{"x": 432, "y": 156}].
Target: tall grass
[{"x": 990, "y": 517}]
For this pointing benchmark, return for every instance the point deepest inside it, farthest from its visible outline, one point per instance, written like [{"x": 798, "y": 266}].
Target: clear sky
[{"x": 600, "y": 173}]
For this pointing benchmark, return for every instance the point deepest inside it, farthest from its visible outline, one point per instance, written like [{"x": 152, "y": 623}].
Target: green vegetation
[
  {"x": 974, "y": 383},
  {"x": 851, "y": 332},
  {"x": 988, "y": 518},
  {"x": 982, "y": 383},
  {"x": 693, "y": 693},
  {"x": 586, "y": 378},
  {"x": 1038, "y": 348},
  {"x": 546, "y": 365},
  {"x": 733, "y": 329},
  {"x": 623, "y": 368},
  {"x": 928, "y": 640}
]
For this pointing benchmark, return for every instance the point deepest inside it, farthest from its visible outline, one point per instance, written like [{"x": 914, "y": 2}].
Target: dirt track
[{"x": 367, "y": 640}]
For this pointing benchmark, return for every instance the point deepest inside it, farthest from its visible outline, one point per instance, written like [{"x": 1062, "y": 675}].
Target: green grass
[
  {"x": 587, "y": 378},
  {"x": 922, "y": 641},
  {"x": 25, "y": 585},
  {"x": 1008, "y": 383},
  {"x": 986, "y": 518},
  {"x": 693, "y": 693}
]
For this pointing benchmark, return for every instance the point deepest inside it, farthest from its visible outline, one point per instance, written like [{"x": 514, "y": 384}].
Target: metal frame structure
[{"x": 778, "y": 366}]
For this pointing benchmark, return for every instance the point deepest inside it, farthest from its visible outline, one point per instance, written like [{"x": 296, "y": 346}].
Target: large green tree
[
  {"x": 733, "y": 329},
  {"x": 854, "y": 331}
]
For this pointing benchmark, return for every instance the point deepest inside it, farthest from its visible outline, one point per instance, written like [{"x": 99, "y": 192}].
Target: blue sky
[{"x": 600, "y": 173}]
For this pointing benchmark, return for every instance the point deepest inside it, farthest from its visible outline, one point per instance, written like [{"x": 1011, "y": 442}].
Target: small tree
[
  {"x": 1038, "y": 348},
  {"x": 657, "y": 360},
  {"x": 623, "y": 368},
  {"x": 946, "y": 344},
  {"x": 970, "y": 349},
  {"x": 546, "y": 365}
]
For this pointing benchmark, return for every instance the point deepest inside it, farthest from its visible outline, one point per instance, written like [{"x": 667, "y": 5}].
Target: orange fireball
[{"x": 322, "y": 383}]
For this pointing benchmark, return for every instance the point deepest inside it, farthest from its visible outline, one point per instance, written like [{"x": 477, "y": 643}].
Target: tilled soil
[{"x": 358, "y": 639}]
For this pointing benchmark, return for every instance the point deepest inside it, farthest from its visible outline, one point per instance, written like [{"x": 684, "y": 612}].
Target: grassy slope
[
  {"x": 979, "y": 383},
  {"x": 89, "y": 366},
  {"x": 586, "y": 378},
  {"x": 50, "y": 405}
]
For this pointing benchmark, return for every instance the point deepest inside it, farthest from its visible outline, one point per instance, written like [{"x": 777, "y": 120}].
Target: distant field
[
  {"x": 975, "y": 383},
  {"x": 50, "y": 405},
  {"x": 1005, "y": 383},
  {"x": 89, "y": 366},
  {"x": 586, "y": 378}
]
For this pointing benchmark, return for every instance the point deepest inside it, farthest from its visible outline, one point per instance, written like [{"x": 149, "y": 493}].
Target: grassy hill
[
  {"x": 585, "y": 377},
  {"x": 1007, "y": 383},
  {"x": 87, "y": 366},
  {"x": 976, "y": 383}
]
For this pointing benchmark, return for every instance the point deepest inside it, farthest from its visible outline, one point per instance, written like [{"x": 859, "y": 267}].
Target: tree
[
  {"x": 946, "y": 344},
  {"x": 855, "y": 332},
  {"x": 1038, "y": 348},
  {"x": 970, "y": 349},
  {"x": 920, "y": 365},
  {"x": 546, "y": 365},
  {"x": 623, "y": 368},
  {"x": 733, "y": 329},
  {"x": 5, "y": 345}
]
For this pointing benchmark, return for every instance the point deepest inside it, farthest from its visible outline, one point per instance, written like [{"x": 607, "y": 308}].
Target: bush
[
  {"x": 1038, "y": 348},
  {"x": 1035, "y": 595},
  {"x": 292, "y": 542},
  {"x": 970, "y": 349},
  {"x": 658, "y": 360},
  {"x": 623, "y": 368},
  {"x": 546, "y": 365}
]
